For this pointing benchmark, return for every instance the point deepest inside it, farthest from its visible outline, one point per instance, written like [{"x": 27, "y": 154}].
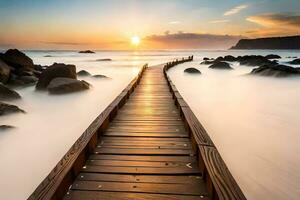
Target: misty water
[{"x": 253, "y": 121}]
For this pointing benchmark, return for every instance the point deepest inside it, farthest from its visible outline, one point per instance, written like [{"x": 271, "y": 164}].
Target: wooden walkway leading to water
[{"x": 144, "y": 150}]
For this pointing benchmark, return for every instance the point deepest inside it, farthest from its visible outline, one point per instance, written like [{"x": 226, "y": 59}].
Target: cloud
[
  {"x": 174, "y": 22},
  {"x": 63, "y": 43},
  {"x": 235, "y": 10},
  {"x": 192, "y": 40},
  {"x": 276, "y": 24},
  {"x": 219, "y": 21}
]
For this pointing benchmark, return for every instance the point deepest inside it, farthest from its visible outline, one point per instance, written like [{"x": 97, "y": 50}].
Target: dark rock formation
[
  {"x": 5, "y": 127},
  {"x": 295, "y": 62},
  {"x": 205, "y": 58},
  {"x": 207, "y": 62},
  {"x": 291, "y": 42},
  {"x": 16, "y": 59},
  {"x": 99, "y": 76},
  {"x": 66, "y": 85},
  {"x": 272, "y": 56},
  {"x": 48, "y": 56},
  {"x": 86, "y": 51},
  {"x": 254, "y": 60},
  {"x": 8, "y": 109},
  {"x": 104, "y": 59},
  {"x": 54, "y": 71},
  {"x": 4, "y": 72},
  {"x": 8, "y": 94},
  {"x": 275, "y": 70},
  {"x": 192, "y": 70},
  {"x": 18, "y": 69},
  {"x": 83, "y": 73},
  {"x": 220, "y": 65}
]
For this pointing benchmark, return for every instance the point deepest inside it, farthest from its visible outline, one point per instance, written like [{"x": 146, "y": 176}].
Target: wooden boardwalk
[
  {"x": 147, "y": 144},
  {"x": 145, "y": 153}
]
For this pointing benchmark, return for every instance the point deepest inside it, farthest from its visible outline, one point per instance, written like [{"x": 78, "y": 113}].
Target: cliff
[{"x": 291, "y": 42}]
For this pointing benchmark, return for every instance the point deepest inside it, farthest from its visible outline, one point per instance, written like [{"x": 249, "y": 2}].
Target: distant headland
[{"x": 290, "y": 42}]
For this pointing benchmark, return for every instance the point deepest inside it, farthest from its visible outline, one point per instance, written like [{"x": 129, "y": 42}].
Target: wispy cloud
[
  {"x": 276, "y": 24},
  {"x": 174, "y": 22},
  {"x": 236, "y": 10},
  {"x": 193, "y": 40},
  {"x": 219, "y": 21}
]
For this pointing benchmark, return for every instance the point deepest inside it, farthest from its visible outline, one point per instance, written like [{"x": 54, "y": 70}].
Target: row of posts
[{"x": 178, "y": 61}]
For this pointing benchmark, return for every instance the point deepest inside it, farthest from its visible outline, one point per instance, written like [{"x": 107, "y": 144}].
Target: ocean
[{"x": 253, "y": 121}]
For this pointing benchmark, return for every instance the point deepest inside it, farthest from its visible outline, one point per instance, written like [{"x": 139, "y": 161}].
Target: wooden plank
[
  {"x": 94, "y": 195},
  {"x": 142, "y": 170},
  {"x": 139, "y": 178},
  {"x": 137, "y": 151},
  {"x": 156, "y": 188},
  {"x": 151, "y": 158},
  {"x": 160, "y": 135}
]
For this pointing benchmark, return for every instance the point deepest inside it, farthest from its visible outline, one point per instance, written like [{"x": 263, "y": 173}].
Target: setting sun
[{"x": 135, "y": 40}]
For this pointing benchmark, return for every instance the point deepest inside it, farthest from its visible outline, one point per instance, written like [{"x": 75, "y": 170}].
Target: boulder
[
  {"x": 4, "y": 72},
  {"x": 104, "y": 59},
  {"x": 207, "y": 62},
  {"x": 275, "y": 71},
  {"x": 8, "y": 109},
  {"x": 8, "y": 94},
  {"x": 295, "y": 62},
  {"x": 220, "y": 65},
  {"x": 254, "y": 60},
  {"x": 272, "y": 56},
  {"x": 66, "y": 85},
  {"x": 86, "y": 51},
  {"x": 206, "y": 58},
  {"x": 228, "y": 58},
  {"x": 5, "y": 127},
  {"x": 16, "y": 59},
  {"x": 83, "y": 73},
  {"x": 99, "y": 76},
  {"x": 28, "y": 79},
  {"x": 54, "y": 71},
  {"x": 192, "y": 70}
]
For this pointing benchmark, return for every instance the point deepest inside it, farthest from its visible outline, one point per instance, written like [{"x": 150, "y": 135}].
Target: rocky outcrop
[
  {"x": 8, "y": 109},
  {"x": 17, "y": 69},
  {"x": 83, "y": 73},
  {"x": 295, "y": 62},
  {"x": 66, "y": 85},
  {"x": 4, "y": 72},
  {"x": 55, "y": 71},
  {"x": 99, "y": 76},
  {"x": 8, "y": 94},
  {"x": 86, "y": 51},
  {"x": 104, "y": 59},
  {"x": 272, "y": 56},
  {"x": 275, "y": 71},
  {"x": 5, "y": 127},
  {"x": 192, "y": 70},
  {"x": 291, "y": 42},
  {"x": 220, "y": 65}
]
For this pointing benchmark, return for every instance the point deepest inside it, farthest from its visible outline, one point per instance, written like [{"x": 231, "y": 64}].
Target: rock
[
  {"x": 39, "y": 67},
  {"x": 229, "y": 58},
  {"x": 8, "y": 94},
  {"x": 86, "y": 51},
  {"x": 83, "y": 73},
  {"x": 104, "y": 59},
  {"x": 8, "y": 109},
  {"x": 220, "y": 65},
  {"x": 272, "y": 56},
  {"x": 28, "y": 79},
  {"x": 4, "y": 72},
  {"x": 192, "y": 70},
  {"x": 254, "y": 60},
  {"x": 48, "y": 56},
  {"x": 295, "y": 62},
  {"x": 5, "y": 127},
  {"x": 207, "y": 62},
  {"x": 66, "y": 85},
  {"x": 275, "y": 70},
  {"x": 99, "y": 76},
  {"x": 16, "y": 59},
  {"x": 291, "y": 57},
  {"x": 54, "y": 71},
  {"x": 205, "y": 58}
]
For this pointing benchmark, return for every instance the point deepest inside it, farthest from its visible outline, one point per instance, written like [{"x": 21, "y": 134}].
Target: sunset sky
[{"x": 161, "y": 24}]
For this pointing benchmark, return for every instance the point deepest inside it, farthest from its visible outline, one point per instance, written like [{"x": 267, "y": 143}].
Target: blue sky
[{"x": 111, "y": 23}]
